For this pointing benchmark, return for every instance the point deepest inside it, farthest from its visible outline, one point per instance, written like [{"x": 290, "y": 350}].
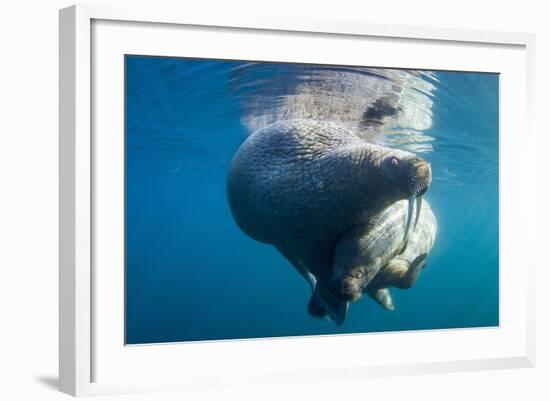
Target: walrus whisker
[{"x": 418, "y": 207}]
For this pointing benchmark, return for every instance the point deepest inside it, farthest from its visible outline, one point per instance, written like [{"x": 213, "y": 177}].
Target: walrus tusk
[
  {"x": 339, "y": 314},
  {"x": 346, "y": 308},
  {"x": 418, "y": 207},
  {"x": 409, "y": 218}
]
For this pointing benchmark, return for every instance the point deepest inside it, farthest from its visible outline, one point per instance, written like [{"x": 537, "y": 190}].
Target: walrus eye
[
  {"x": 359, "y": 274},
  {"x": 394, "y": 161}
]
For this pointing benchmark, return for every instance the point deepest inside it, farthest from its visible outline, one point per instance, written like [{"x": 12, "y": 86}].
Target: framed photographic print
[{"x": 345, "y": 200}]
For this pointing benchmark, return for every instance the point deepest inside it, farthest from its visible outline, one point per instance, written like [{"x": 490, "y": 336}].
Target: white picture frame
[{"x": 80, "y": 312}]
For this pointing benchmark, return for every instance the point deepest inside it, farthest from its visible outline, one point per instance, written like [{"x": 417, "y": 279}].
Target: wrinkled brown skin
[
  {"x": 380, "y": 243},
  {"x": 300, "y": 185}
]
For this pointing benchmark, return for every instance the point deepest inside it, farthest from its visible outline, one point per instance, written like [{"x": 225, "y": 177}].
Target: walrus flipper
[
  {"x": 413, "y": 272},
  {"x": 383, "y": 297},
  {"x": 312, "y": 281},
  {"x": 300, "y": 268},
  {"x": 322, "y": 304}
]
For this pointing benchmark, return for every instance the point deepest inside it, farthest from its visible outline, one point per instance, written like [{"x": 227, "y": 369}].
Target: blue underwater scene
[{"x": 193, "y": 269}]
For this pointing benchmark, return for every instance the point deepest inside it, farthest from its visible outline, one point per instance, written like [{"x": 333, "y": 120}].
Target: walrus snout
[
  {"x": 420, "y": 177},
  {"x": 345, "y": 290}
]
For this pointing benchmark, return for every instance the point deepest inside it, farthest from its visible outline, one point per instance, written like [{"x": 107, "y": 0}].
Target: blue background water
[{"x": 191, "y": 274}]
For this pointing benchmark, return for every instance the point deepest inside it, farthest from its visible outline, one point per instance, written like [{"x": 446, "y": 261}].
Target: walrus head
[
  {"x": 411, "y": 177},
  {"x": 349, "y": 284}
]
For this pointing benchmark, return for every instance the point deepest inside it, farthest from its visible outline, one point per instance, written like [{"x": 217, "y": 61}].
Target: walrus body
[
  {"x": 373, "y": 257},
  {"x": 301, "y": 185}
]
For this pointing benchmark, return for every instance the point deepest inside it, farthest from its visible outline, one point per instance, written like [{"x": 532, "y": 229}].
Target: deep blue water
[{"x": 191, "y": 274}]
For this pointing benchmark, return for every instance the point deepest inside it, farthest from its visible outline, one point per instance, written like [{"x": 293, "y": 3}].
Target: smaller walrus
[
  {"x": 403, "y": 270},
  {"x": 374, "y": 257}
]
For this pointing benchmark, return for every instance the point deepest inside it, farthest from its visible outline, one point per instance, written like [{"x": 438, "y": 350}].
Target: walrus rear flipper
[
  {"x": 414, "y": 270},
  {"x": 383, "y": 297},
  {"x": 300, "y": 268},
  {"x": 322, "y": 304}
]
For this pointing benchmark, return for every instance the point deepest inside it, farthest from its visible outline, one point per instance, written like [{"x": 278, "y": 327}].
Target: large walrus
[
  {"x": 302, "y": 185},
  {"x": 377, "y": 249}
]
